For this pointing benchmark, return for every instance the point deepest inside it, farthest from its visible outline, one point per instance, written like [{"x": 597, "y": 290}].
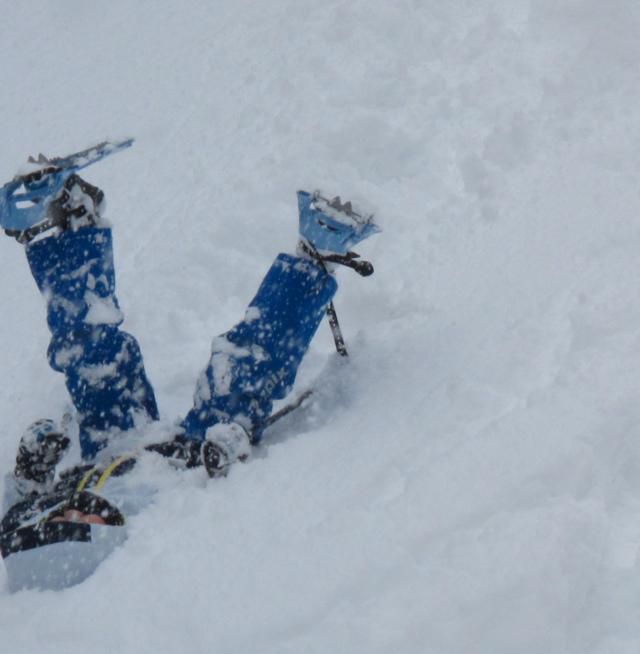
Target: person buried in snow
[
  {"x": 70, "y": 255},
  {"x": 58, "y": 525}
]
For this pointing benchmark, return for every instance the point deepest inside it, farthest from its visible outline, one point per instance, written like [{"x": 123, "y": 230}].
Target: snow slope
[{"x": 475, "y": 485}]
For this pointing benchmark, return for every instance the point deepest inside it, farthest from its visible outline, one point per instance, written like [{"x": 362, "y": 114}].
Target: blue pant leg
[
  {"x": 102, "y": 364},
  {"x": 256, "y": 362}
]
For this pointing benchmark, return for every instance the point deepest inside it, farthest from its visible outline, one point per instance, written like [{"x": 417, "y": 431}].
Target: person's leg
[
  {"x": 257, "y": 361},
  {"x": 102, "y": 364},
  {"x": 72, "y": 264}
]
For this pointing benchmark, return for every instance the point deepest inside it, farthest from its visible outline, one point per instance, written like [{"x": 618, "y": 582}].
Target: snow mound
[{"x": 469, "y": 481}]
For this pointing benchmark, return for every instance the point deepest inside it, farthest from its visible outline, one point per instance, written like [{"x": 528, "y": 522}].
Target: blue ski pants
[{"x": 250, "y": 366}]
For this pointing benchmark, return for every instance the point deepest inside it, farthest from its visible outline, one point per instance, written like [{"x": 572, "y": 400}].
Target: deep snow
[{"x": 470, "y": 481}]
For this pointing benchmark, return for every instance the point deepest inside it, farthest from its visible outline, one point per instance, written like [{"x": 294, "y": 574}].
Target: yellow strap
[
  {"x": 85, "y": 480},
  {"x": 102, "y": 480},
  {"x": 109, "y": 471}
]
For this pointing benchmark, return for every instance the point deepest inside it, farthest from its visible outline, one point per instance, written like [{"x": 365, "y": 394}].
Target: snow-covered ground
[{"x": 470, "y": 481}]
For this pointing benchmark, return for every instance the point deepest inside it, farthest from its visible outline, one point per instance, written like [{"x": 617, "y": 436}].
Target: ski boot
[
  {"x": 41, "y": 448},
  {"x": 225, "y": 443}
]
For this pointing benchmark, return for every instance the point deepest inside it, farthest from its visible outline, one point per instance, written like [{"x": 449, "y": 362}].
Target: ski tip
[
  {"x": 40, "y": 160},
  {"x": 119, "y": 144},
  {"x": 334, "y": 207}
]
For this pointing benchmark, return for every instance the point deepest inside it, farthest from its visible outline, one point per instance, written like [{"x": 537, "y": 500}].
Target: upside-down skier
[{"x": 68, "y": 246}]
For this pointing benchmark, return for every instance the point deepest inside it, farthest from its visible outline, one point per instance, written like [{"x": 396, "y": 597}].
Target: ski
[
  {"x": 81, "y": 159},
  {"x": 25, "y": 199}
]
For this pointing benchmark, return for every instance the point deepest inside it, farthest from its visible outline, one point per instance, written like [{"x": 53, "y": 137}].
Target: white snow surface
[{"x": 469, "y": 481}]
